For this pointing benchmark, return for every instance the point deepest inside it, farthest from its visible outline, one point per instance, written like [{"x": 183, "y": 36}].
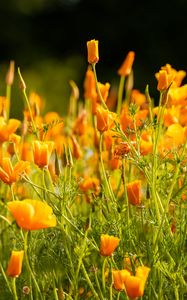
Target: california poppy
[
  {"x": 108, "y": 244},
  {"x": 134, "y": 192},
  {"x": 15, "y": 264},
  {"x": 42, "y": 152},
  {"x": 93, "y": 52},
  {"x": 126, "y": 66},
  {"x": 10, "y": 173},
  {"x": 32, "y": 214}
]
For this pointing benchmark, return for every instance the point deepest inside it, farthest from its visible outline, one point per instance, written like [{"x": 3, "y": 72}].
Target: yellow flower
[
  {"x": 93, "y": 52},
  {"x": 32, "y": 214}
]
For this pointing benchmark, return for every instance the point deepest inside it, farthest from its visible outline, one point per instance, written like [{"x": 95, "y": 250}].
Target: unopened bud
[{"x": 10, "y": 74}]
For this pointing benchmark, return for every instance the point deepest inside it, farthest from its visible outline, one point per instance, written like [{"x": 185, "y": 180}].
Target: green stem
[
  {"x": 97, "y": 87},
  {"x": 120, "y": 94},
  {"x": 12, "y": 192},
  {"x": 89, "y": 282},
  {"x": 103, "y": 274},
  {"x": 14, "y": 288},
  {"x": 105, "y": 179},
  {"x": 5, "y": 277},
  {"x": 54, "y": 288},
  {"x": 8, "y": 97},
  {"x": 29, "y": 270}
]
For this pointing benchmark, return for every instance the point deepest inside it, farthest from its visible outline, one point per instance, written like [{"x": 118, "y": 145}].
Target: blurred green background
[{"x": 47, "y": 40}]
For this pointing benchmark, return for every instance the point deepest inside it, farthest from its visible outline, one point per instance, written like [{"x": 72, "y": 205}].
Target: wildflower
[
  {"x": 104, "y": 90},
  {"x": 126, "y": 66},
  {"x": 15, "y": 264},
  {"x": 135, "y": 285},
  {"x": 108, "y": 244},
  {"x": 90, "y": 184},
  {"x": 10, "y": 174},
  {"x": 105, "y": 119},
  {"x": 134, "y": 192},
  {"x": 137, "y": 97},
  {"x": 14, "y": 140},
  {"x": 119, "y": 277},
  {"x": 7, "y": 128},
  {"x": 32, "y": 214},
  {"x": 10, "y": 74},
  {"x": 173, "y": 76},
  {"x": 93, "y": 51},
  {"x": 42, "y": 152},
  {"x": 163, "y": 81},
  {"x": 76, "y": 151}
]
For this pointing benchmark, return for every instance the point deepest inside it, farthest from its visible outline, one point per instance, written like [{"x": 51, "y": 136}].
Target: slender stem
[
  {"x": 12, "y": 192},
  {"x": 106, "y": 181},
  {"x": 5, "y": 277},
  {"x": 103, "y": 274},
  {"x": 54, "y": 288},
  {"x": 97, "y": 87},
  {"x": 8, "y": 97},
  {"x": 28, "y": 264},
  {"x": 120, "y": 94},
  {"x": 89, "y": 282},
  {"x": 14, "y": 288}
]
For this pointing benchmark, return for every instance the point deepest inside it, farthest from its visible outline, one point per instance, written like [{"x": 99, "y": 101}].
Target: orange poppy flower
[
  {"x": 119, "y": 277},
  {"x": 10, "y": 174},
  {"x": 14, "y": 140},
  {"x": 105, "y": 119},
  {"x": 93, "y": 51},
  {"x": 104, "y": 90},
  {"x": 108, "y": 244},
  {"x": 90, "y": 184},
  {"x": 42, "y": 152},
  {"x": 126, "y": 66},
  {"x": 134, "y": 192},
  {"x": 7, "y": 128},
  {"x": 32, "y": 214},
  {"x": 15, "y": 264},
  {"x": 135, "y": 285}
]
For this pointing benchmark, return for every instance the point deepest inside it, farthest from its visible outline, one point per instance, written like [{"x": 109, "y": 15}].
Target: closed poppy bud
[
  {"x": 102, "y": 119},
  {"x": 93, "y": 52},
  {"x": 108, "y": 244},
  {"x": 162, "y": 80},
  {"x": 10, "y": 74},
  {"x": 15, "y": 264},
  {"x": 119, "y": 277},
  {"x": 134, "y": 192},
  {"x": 126, "y": 67},
  {"x": 42, "y": 152}
]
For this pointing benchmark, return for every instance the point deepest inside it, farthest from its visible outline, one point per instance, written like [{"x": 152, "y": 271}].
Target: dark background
[{"x": 47, "y": 39}]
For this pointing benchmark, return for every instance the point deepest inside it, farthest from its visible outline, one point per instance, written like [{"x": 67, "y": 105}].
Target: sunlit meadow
[{"x": 93, "y": 204}]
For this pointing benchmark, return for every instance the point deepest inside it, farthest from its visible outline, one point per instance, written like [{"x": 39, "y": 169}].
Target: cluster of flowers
[{"x": 106, "y": 132}]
